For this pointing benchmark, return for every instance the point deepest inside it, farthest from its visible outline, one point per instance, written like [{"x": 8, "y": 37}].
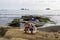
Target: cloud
[{"x": 38, "y": 4}]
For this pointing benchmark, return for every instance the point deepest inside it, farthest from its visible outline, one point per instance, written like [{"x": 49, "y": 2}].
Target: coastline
[
  {"x": 47, "y": 29},
  {"x": 18, "y": 34}
]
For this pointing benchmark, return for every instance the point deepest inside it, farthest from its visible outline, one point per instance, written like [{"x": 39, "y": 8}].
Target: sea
[{"x": 6, "y": 16}]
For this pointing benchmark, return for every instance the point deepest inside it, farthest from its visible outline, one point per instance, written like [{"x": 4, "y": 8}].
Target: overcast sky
[{"x": 31, "y": 4}]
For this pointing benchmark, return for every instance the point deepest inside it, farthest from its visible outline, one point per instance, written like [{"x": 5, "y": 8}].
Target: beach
[
  {"x": 46, "y": 32},
  {"x": 18, "y": 34}
]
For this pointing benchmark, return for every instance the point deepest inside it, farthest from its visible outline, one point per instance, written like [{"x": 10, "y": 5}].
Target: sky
[{"x": 31, "y": 4}]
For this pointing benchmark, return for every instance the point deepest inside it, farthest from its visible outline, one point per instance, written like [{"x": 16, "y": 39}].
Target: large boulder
[
  {"x": 15, "y": 23},
  {"x": 2, "y": 31}
]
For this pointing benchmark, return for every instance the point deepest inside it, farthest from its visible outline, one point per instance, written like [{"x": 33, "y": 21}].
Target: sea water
[{"x": 6, "y": 16}]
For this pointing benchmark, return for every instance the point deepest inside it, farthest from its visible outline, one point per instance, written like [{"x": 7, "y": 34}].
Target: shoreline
[
  {"x": 50, "y": 28},
  {"x": 19, "y": 34},
  {"x": 47, "y": 29}
]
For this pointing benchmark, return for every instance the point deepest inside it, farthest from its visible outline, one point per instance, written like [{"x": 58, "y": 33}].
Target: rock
[
  {"x": 15, "y": 23},
  {"x": 17, "y": 34},
  {"x": 3, "y": 39},
  {"x": 2, "y": 31},
  {"x": 17, "y": 39},
  {"x": 12, "y": 39}
]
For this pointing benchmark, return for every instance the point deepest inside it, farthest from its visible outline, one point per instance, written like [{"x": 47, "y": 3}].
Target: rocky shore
[
  {"x": 18, "y": 34},
  {"x": 50, "y": 28}
]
